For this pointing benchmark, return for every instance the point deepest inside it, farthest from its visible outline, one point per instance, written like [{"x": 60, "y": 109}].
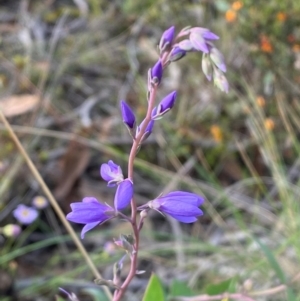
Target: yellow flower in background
[
  {"x": 261, "y": 102},
  {"x": 216, "y": 132},
  {"x": 230, "y": 16},
  {"x": 281, "y": 16},
  {"x": 237, "y": 5},
  {"x": 269, "y": 124}
]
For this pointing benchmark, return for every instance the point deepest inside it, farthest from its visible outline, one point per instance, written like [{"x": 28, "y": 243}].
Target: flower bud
[
  {"x": 185, "y": 45},
  {"x": 156, "y": 72},
  {"x": 176, "y": 54},
  {"x": 165, "y": 105},
  {"x": 127, "y": 115},
  {"x": 218, "y": 58},
  {"x": 207, "y": 67},
  {"x": 220, "y": 80},
  {"x": 11, "y": 230},
  {"x": 167, "y": 39}
]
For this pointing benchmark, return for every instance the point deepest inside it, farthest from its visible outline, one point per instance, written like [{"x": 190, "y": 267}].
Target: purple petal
[
  {"x": 179, "y": 208},
  {"x": 205, "y": 33},
  {"x": 198, "y": 42},
  {"x": 123, "y": 194},
  {"x": 184, "y": 219},
  {"x": 167, "y": 38},
  {"x": 218, "y": 58},
  {"x": 157, "y": 71},
  {"x": 185, "y": 45},
  {"x": 167, "y": 103},
  {"x": 111, "y": 172},
  {"x": 188, "y": 197},
  {"x": 87, "y": 228},
  {"x": 176, "y": 54},
  {"x": 88, "y": 211}
]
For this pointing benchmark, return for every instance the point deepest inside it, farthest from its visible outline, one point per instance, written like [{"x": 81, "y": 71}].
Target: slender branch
[{"x": 53, "y": 202}]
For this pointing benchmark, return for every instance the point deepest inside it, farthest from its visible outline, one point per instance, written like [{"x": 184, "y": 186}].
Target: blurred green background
[{"x": 65, "y": 65}]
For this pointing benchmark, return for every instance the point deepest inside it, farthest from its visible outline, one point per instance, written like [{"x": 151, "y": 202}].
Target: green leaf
[
  {"x": 154, "y": 290},
  {"x": 179, "y": 288},
  {"x": 96, "y": 293},
  {"x": 228, "y": 286}
]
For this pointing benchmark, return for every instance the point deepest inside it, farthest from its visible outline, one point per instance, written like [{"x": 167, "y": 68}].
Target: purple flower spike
[
  {"x": 176, "y": 54},
  {"x": 91, "y": 213},
  {"x": 127, "y": 115},
  {"x": 165, "y": 105},
  {"x": 157, "y": 72},
  {"x": 218, "y": 59},
  {"x": 123, "y": 194},
  {"x": 180, "y": 205},
  {"x": 112, "y": 173},
  {"x": 25, "y": 215},
  {"x": 167, "y": 39}
]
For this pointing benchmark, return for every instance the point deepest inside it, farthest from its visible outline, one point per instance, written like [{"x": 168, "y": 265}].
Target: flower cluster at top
[{"x": 182, "y": 206}]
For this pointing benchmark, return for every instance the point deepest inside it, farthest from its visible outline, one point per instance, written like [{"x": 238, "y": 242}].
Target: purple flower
[
  {"x": 205, "y": 33},
  {"x": 180, "y": 205},
  {"x": 127, "y": 115},
  {"x": 157, "y": 72},
  {"x": 167, "y": 39},
  {"x": 176, "y": 54},
  {"x": 165, "y": 105},
  {"x": 90, "y": 212},
  {"x": 25, "y": 215},
  {"x": 198, "y": 37},
  {"x": 123, "y": 195},
  {"x": 39, "y": 202},
  {"x": 112, "y": 173}
]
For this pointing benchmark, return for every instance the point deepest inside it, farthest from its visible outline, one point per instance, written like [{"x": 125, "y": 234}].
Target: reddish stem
[{"x": 136, "y": 228}]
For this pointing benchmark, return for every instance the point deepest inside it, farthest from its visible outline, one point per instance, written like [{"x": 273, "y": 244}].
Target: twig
[{"x": 53, "y": 202}]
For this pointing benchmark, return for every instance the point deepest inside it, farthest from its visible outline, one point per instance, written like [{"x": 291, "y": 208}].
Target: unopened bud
[
  {"x": 207, "y": 66},
  {"x": 11, "y": 230}
]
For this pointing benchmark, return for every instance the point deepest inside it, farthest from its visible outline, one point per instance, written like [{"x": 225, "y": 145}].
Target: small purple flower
[
  {"x": 165, "y": 105},
  {"x": 180, "y": 205},
  {"x": 112, "y": 173},
  {"x": 123, "y": 194},
  {"x": 39, "y": 202},
  {"x": 127, "y": 115},
  {"x": 157, "y": 72},
  {"x": 90, "y": 212},
  {"x": 167, "y": 39},
  {"x": 176, "y": 54},
  {"x": 25, "y": 215}
]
